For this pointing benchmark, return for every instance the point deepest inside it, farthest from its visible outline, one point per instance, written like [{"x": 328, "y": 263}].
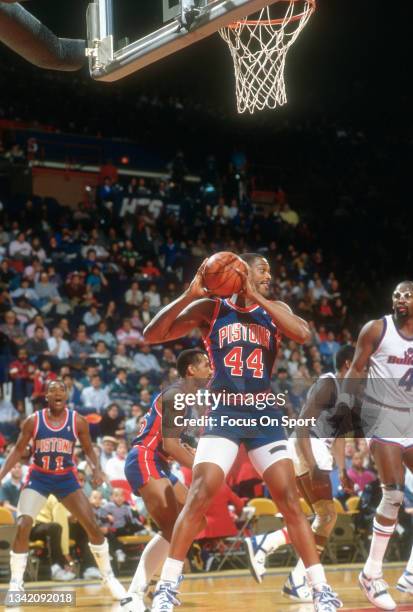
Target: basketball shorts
[
  {"x": 39, "y": 485},
  {"x": 245, "y": 424},
  {"x": 387, "y": 425},
  {"x": 321, "y": 452},
  {"x": 142, "y": 464}
]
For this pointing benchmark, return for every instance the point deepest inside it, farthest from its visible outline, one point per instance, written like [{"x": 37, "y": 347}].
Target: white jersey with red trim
[
  {"x": 390, "y": 374},
  {"x": 54, "y": 446}
]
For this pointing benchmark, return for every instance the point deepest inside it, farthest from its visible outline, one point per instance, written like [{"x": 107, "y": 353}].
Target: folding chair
[
  {"x": 344, "y": 545},
  {"x": 353, "y": 504},
  {"x": 267, "y": 518},
  {"x": 236, "y": 549}
]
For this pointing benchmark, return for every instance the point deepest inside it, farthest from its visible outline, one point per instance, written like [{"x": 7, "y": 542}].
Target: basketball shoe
[
  {"x": 325, "y": 600},
  {"x": 377, "y": 592},
  {"x": 297, "y": 591},
  {"x": 165, "y": 597},
  {"x": 405, "y": 583}
]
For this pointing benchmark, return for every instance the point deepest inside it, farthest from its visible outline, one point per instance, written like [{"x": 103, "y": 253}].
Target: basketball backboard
[{"x": 121, "y": 43}]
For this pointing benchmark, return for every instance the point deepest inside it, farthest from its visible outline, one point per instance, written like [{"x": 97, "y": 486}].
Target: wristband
[{"x": 345, "y": 398}]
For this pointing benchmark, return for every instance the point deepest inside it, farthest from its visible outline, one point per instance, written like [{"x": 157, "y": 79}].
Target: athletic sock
[
  {"x": 316, "y": 576},
  {"x": 153, "y": 556},
  {"x": 172, "y": 569},
  {"x": 274, "y": 540},
  {"x": 101, "y": 555},
  {"x": 18, "y": 562},
  {"x": 409, "y": 566},
  {"x": 373, "y": 567}
]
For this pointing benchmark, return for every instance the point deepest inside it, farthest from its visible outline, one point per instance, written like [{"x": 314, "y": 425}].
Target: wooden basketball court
[{"x": 235, "y": 590}]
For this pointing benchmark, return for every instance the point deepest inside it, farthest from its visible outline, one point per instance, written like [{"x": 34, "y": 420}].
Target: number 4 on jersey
[
  {"x": 407, "y": 380},
  {"x": 253, "y": 362}
]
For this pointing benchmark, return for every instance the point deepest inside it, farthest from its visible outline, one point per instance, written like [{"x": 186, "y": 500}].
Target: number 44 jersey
[{"x": 242, "y": 344}]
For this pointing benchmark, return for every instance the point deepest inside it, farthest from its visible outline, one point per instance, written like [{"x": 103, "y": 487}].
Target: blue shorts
[
  {"x": 143, "y": 463},
  {"x": 247, "y": 425},
  {"x": 59, "y": 485}
]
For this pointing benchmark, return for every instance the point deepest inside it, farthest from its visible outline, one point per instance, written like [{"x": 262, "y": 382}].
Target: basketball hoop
[{"x": 259, "y": 48}]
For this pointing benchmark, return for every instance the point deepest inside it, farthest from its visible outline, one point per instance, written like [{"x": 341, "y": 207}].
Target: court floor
[{"x": 236, "y": 590}]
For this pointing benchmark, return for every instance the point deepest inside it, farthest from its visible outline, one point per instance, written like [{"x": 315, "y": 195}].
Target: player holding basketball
[
  {"x": 313, "y": 455},
  {"x": 386, "y": 346},
  {"x": 241, "y": 339},
  {"x": 54, "y": 432},
  {"x": 148, "y": 472}
]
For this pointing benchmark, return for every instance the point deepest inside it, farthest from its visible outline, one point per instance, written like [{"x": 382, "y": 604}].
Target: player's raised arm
[
  {"x": 190, "y": 310},
  {"x": 17, "y": 451},
  {"x": 84, "y": 438},
  {"x": 287, "y": 322}
]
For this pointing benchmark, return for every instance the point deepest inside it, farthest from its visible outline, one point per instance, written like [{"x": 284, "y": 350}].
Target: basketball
[{"x": 222, "y": 274}]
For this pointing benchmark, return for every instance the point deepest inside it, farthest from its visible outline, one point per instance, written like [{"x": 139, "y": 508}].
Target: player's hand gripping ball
[{"x": 223, "y": 274}]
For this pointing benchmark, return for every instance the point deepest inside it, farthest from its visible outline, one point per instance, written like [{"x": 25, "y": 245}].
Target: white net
[{"x": 259, "y": 48}]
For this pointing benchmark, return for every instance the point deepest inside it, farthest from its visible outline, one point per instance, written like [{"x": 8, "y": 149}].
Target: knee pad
[
  {"x": 392, "y": 499},
  {"x": 325, "y": 518}
]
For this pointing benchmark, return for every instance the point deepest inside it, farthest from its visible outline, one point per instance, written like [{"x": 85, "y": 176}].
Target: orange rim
[{"x": 267, "y": 22}]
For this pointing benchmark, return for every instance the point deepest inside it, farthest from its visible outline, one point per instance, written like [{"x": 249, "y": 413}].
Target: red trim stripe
[
  {"x": 241, "y": 308},
  {"x": 56, "y": 472},
  {"x": 44, "y": 411},
  {"x": 36, "y": 424}
]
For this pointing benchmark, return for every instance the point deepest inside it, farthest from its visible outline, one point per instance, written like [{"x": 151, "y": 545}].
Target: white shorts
[
  {"x": 30, "y": 503},
  {"x": 322, "y": 454},
  {"x": 223, "y": 452},
  {"x": 387, "y": 425}
]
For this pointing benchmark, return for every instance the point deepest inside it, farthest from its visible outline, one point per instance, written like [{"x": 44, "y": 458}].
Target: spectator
[
  {"x": 48, "y": 294},
  {"x": 95, "y": 397},
  {"x": 58, "y": 346},
  {"x": 20, "y": 249},
  {"x": 81, "y": 347},
  {"x": 149, "y": 270},
  {"x": 9, "y": 419},
  {"x": 129, "y": 336},
  {"x": 10, "y": 489},
  {"x": 109, "y": 444},
  {"x": 92, "y": 318},
  {"x": 121, "y": 359},
  {"x": 153, "y": 298},
  {"x": 105, "y": 335},
  {"x": 328, "y": 349},
  {"x": 112, "y": 423},
  {"x": 37, "y": 322},
  {"x": 134, "y": 296},
  {"x": 146, "y": 363},
  {"x": 12, "y": 329},
  {"x": 121, "y": 520},
  {"x": 42, "y": 377},
  {"x": 37, "y": 346},
  {"x": 133, "y": 422},
  {"x": 358, "y": 474},
  {"x": 120, "y": 390},
  {"x": 115, "y": 466},
  {"x": 22, "y": 374}
]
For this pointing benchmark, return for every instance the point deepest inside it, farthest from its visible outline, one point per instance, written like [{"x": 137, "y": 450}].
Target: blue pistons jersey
[
  {"x": 54, "y": 446},
  {"x": 242, "y": 344}
]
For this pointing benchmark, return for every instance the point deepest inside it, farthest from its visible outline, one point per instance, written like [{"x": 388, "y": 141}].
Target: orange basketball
[{"x": 222, "y": 274}]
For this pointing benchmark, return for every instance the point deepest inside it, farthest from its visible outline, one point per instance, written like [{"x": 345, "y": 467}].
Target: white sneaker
[
  {"x": 60, "y": 574},
  {"x": 118, "y": 592},
  {"x": 376, "y": 591},
  {"x": 120, "y": 555},
  {"x": 165, "y": 596},
  {"x": 297, "y": 591},
  {"x": 325, "y": 600},
  {"x": 256, "y": 556},
  {"x": 405, "y": 583},
  {"x": 91, "y": 573},
  {"x": 133, "y": 602}
]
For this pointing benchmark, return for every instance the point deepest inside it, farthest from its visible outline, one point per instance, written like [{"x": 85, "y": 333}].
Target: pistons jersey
[
  {"x": 150, "y": 433},
  {"x": 54, "y": 446},
  {"x": 242, "y": 344}
]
